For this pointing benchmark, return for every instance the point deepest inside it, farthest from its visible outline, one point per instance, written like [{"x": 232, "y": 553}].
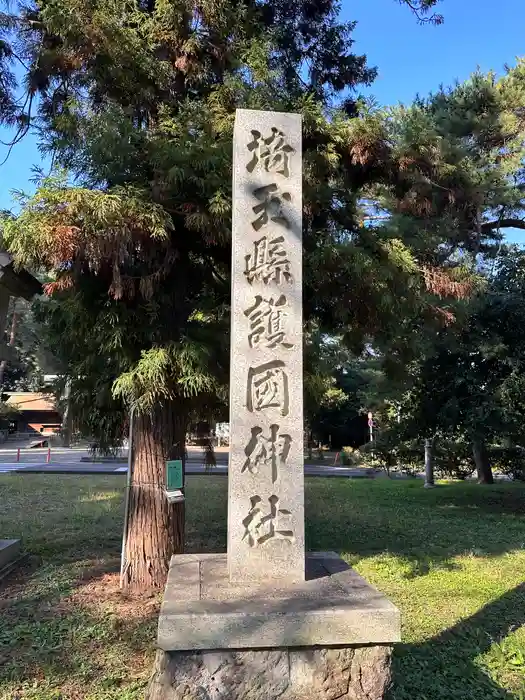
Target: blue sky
[{"x": 411, "y": 59}]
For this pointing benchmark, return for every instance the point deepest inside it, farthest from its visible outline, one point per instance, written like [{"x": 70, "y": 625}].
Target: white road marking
[{"x": 13, "y": 466}]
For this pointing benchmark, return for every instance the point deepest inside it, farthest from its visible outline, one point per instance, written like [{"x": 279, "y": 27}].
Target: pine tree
[
  {"x": 463, "y": 149},
  {"x": 469, "y": 384}
]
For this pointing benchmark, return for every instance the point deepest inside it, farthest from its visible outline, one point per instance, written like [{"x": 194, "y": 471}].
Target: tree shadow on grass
[
  {"x": 64, "y": 626},
  {"x": 444, "y": 666},
  {"x": 63, "y": 517},
  {"x": 206, "y": 514},
  {"x": 424, "y": 529},
  {"x": 86, "y": 639}
]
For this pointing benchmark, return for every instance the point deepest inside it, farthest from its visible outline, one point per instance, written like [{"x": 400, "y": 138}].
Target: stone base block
[
  {"x": 334, "y": 673},
  {"x": 326, "y": 638},
  {"x": 9, "y": 551},
  {"x": 333, "y": 606}
]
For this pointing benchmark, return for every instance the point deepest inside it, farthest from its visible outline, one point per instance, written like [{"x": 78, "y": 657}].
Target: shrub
[
  {"x": 508, "y": 460},
  {"x": 453, "y": 457},
  {"x": 384, "y": 454},
  {"x": 350, "y": 456}
]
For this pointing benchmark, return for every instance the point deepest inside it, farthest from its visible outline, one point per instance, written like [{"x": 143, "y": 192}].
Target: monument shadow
[{"x": 444, "y": 666}]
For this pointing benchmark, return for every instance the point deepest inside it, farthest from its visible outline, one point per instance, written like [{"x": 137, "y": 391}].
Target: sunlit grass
[{"x": 452, "y": 559}]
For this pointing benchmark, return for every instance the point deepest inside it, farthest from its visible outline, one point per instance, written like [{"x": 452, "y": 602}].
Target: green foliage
[
  {"x": 459, "y": 184},
  {"x": 137, "y": 101},
  {"x": 350, "y": 456},
  {"x": 335, "y": 386},
  {"x": 147, "y": 383},
  {"x": 389, "y": 453},
  {"x": 471, "y": 378},
  {"x": 31, "y": 362},
  {"x": 453, "y": 456},
  {"x": 423, "y": 10},
  {"x": 466, "y": 386},
  {"x": 462, "y": 149},
  {"x": 509, "y": 460},
  {"x": 61, "y": 228}
]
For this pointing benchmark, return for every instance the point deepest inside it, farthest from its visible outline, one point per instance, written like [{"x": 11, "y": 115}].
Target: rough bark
[
  {"x": 67, "y": 417},
  {"x": 155, "y": 528},
  {"x": 309, "y": 440},
  {"x": 481, "y": 460},
  {"x": 11, "y": 343},
  {"x": 334, "y": 673},
  {"x": 429, "y": 463}
]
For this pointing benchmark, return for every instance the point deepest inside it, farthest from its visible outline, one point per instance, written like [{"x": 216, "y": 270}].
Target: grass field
[{"x": 452, "y": 559}]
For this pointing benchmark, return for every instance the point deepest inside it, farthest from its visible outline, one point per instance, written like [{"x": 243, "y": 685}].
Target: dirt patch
[
  {"x": 101, "y": 594},
  {"x": 96, "y": 588},
  {"x": 89, "y": 629},
  {"x": 14, "y": 583}
]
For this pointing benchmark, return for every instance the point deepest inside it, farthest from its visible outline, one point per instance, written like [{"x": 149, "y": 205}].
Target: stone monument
[
  {"x": 265, "y": 475},
  {"x": 265, "y": 621}
]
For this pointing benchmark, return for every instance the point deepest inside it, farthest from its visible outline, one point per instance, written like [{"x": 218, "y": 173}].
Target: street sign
[{"x": 174, "y": 475}]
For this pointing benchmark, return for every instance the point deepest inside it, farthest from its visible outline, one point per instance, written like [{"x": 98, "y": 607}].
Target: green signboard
[{"x": 174, "y": 475}]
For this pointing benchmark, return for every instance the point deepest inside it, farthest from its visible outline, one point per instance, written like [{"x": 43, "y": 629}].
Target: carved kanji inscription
[
  {"x": 270, "y": 450},
  {"x": 268, "y": 322},
  {"x": 261, "y": 526},
  {"x": 272, "y": 152},
  {"x": 271, "y": 207},
  {"x": 268, "y": 387},
  {"x": 268, "y": 262}
]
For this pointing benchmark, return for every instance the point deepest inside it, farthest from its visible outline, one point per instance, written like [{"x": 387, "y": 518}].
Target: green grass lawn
[{"x": 452, "y": 559}]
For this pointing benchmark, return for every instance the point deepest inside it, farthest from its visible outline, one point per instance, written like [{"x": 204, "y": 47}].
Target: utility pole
[
  {"x": 371, "y": 426},
  {"x": 429, "y": 464}
]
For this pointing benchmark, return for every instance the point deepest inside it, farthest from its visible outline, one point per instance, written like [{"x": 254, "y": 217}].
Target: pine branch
[
  {"x": 502, "y": 223},
  {"x": 420, "y": 7}
]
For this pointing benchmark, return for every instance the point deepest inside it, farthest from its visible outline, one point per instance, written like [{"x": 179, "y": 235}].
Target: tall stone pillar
[{"x": 266, "y": 490}]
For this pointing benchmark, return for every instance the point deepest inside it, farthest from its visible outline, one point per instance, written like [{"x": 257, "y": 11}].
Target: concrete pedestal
[{"x": 329, "y": 637}]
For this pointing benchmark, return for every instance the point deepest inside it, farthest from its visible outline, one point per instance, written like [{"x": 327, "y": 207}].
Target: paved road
[{"x": 193, "y": 466}]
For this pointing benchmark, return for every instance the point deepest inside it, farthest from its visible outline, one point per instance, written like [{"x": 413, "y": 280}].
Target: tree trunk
[
  {"x": 155, "y": 528},
  {"x": 67, "y": 417},
  {"x": 481, "y": 460},
  {"x": 310, "y": 442},
  {"x": 429, "y": 463},
  {"x": 11, "y": 343}
]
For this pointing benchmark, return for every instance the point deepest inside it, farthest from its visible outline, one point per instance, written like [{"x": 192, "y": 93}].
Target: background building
[{"x": 37, "y": 414}]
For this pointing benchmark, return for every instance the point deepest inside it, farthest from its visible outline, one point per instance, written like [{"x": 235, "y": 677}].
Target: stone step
[{"x": 9, "y": 552}]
